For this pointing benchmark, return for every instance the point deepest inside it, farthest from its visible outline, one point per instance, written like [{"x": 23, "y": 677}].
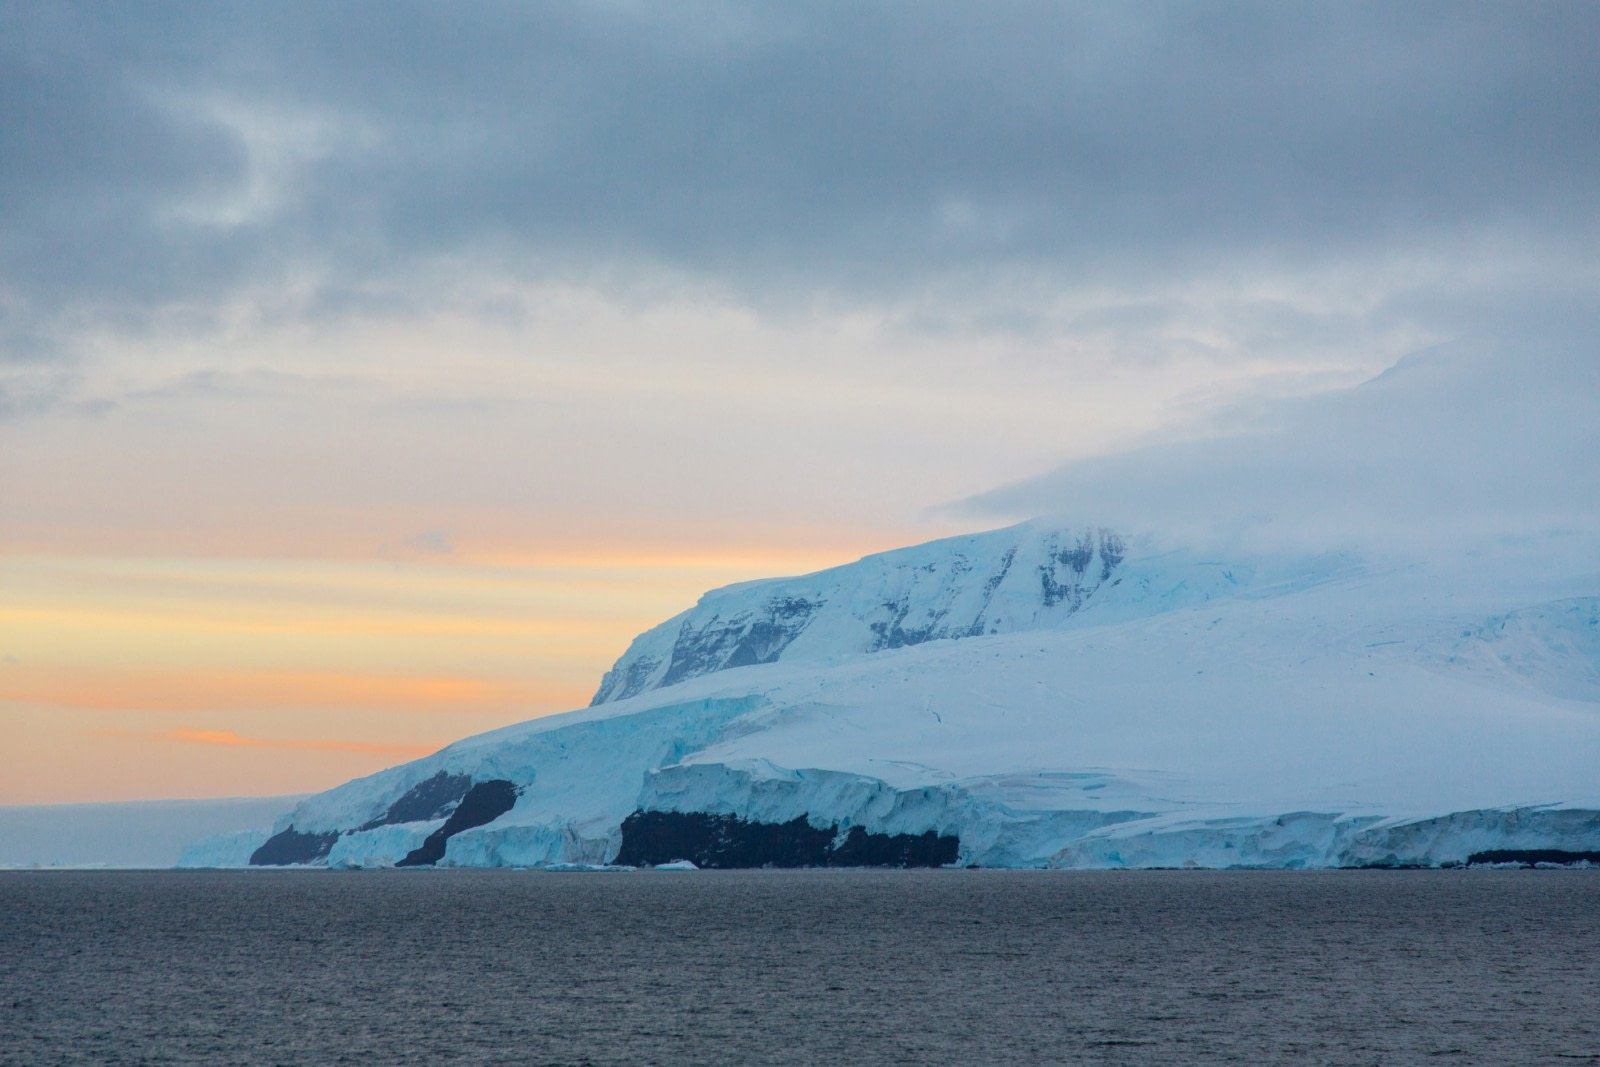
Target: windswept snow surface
[{"x": 1151, "y": 709}]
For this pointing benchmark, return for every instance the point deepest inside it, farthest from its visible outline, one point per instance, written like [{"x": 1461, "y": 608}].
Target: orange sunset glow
[{"x": 256, "y": 676}]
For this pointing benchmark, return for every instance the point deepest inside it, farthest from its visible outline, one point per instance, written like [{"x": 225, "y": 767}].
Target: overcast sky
[
  {"x": 161, "y": 154},
  {"x": 842, "y": 231},
  {"x": 710, "y": 290}
]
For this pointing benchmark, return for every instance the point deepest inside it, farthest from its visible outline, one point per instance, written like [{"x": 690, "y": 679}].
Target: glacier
[{"x": 1045, "y": 695}]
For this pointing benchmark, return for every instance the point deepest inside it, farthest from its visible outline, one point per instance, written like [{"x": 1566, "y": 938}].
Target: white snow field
[{"x": 1054, "y": 697}]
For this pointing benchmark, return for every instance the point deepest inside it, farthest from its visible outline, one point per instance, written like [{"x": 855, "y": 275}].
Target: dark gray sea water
[{"x": 969, "y": 967}]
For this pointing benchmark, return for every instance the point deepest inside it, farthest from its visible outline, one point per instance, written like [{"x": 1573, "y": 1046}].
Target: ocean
[{"x": 815, "y": 966}]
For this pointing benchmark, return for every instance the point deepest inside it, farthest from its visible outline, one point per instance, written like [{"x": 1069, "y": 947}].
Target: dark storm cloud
[{"x": 842, "y": 148}]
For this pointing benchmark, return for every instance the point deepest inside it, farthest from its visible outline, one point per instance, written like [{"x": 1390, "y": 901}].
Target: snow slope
[
  {"x": 973, "y": 586},
  {"x": 1053, "y": 697}
]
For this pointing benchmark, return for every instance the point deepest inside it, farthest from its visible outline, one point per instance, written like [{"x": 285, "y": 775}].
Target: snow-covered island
[{"x": 1047, "y": 695}]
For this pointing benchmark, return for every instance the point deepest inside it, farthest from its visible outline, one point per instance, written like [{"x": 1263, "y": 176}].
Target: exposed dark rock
[
  {"x": 651, "y": 837},
  {"x": 927, "y": 849},
  {"x": 290, "y": 847},
  {"x": 894, "y": 634},
  {"x": 1053, "y": 592},
  {"x": 483, "y": 804},
  {"x": 1073, "y": 584},
  {"x": 1056, "y": 587},
  {"x": 1112, "y": 550},
  {"x": 1080, "y": 555},
  {"x": 761, "y": 643},
  {"x": 432, "y": 799},
  {"x": 619, "y": 684},
  {"x": 981, "y": 620},
  {"x": 741, "y": 641},
  {"x": 727, "y": 841},
  {"x": 1528, "y": 857}
]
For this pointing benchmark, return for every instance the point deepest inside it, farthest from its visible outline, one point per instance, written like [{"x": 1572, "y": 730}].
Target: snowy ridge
[
  {"x": 1171, "y": 710},
  {"x": 998, "y": 582}
]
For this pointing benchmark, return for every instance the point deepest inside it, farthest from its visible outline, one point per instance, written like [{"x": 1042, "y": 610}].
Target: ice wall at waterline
[{"x": 999, "y": 823}]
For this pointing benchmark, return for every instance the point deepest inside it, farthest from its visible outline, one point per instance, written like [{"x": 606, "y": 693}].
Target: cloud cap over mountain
[{"x": 1488, "y": 436}]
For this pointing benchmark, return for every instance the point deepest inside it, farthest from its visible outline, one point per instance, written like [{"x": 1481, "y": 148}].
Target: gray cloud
[
  {"x": 36, "y": 394},
  {"x": 252, "y": 383},
  {"x": 161, "y": 155}
]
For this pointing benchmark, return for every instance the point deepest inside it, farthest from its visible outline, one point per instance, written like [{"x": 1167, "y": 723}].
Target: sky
[{"x": 370, "y": 373}]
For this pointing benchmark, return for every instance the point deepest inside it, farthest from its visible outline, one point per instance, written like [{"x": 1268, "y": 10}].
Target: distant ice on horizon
[{"x": 132, "y": 834}]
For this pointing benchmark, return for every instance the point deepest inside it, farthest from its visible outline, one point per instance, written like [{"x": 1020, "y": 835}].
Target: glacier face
[{"x": 1049, "y": 698}]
